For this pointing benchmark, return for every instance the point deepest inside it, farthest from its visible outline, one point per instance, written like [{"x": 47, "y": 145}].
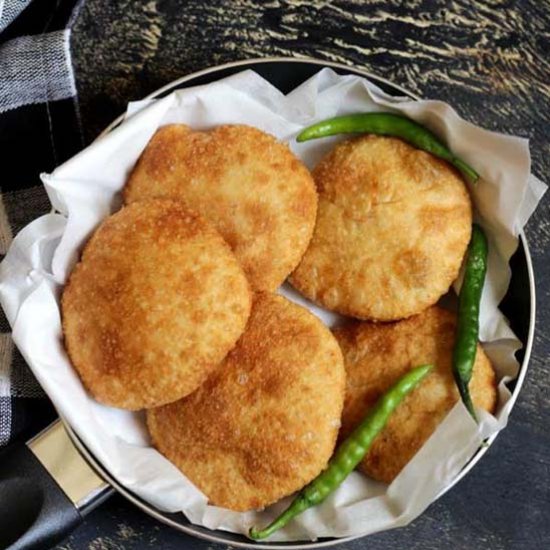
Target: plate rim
[{"x": 94, "y": 463}]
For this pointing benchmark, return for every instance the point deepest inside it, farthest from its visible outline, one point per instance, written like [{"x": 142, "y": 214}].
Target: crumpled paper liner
[{"x": 87, "y": 188}]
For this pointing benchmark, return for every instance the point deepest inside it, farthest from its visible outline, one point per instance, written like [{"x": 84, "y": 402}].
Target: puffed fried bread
[
  {"x": 251, "y": 187},
  {"x": 376, "y": 355},
  {"x": 392, "y": 228},
  {"x": 266, "y": 422},
  {"x": 156, "y": 302}
]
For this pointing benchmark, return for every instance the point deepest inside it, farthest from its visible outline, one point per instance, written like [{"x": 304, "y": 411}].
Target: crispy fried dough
[
  {"x": 392, "y": 227},
  {"x": 377, "y": 355},
  {"x": 265, "y": 423},
  {"x": 258, "y": 195},
  {"x": 153, "y": 307}
]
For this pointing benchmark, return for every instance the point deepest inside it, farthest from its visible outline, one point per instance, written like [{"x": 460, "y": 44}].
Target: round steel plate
[{"x": 518, "y": 305}]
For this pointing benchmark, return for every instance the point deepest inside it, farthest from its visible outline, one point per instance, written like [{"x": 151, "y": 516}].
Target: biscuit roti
[
  {"x": 154, "y": 305},
  {"x": 393, "y": 225},
  {"x": 266, "y": 422},
  {"x": 256, "y": 193}
]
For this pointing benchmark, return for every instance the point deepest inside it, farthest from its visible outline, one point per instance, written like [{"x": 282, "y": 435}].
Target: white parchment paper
[{"x": 86, "y": 189}]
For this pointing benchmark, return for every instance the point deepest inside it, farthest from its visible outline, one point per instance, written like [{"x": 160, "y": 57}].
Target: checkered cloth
[{"x": 39, "y": 129}]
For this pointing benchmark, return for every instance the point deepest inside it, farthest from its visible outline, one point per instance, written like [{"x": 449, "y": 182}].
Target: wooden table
[{"x": 491, "y": 61}]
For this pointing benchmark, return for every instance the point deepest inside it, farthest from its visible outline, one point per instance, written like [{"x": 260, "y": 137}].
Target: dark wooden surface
[{"x": 491, "y": 60}]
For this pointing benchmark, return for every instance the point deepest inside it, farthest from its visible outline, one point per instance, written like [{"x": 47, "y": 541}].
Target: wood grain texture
[{"x": 491, "y": 60}]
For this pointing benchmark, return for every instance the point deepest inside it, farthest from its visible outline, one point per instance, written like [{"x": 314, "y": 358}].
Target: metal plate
[{"x": 518, "y": 305}]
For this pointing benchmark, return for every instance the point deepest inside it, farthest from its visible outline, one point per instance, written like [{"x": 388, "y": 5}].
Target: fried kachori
[
  {"x": 265, "y": 423},
  {"x": 376, "y": 355},
  {"x": 393, "y": 224},
  {"x": 155, "y": 304},
  {"x": 258, "y": 195}
]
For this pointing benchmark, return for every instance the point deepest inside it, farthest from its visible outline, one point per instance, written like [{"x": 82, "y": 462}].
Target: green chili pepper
[
  {"x": 388, "y": 124},
  {"x": 467, "y": 331},
  {"x": 350, "y": 452}
]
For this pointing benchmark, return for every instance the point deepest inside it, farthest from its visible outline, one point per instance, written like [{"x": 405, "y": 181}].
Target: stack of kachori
[
  {"x": 393, "y": 225},
  {"x": 171, "y": 308},
  {"x": 163, "y": 292}
]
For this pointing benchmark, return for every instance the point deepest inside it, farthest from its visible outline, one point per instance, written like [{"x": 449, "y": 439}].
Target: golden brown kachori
[
  {"x": 265, "y": 423},
  {"x": 392, "y": 227},
  {"x": 155, "y": 304},
  {"x": 258, "y": 195},
  {"x": 376, "y": 355}
]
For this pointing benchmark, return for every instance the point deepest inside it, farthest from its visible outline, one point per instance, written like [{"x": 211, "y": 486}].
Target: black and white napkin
[{"x": 39, "y": 129}]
